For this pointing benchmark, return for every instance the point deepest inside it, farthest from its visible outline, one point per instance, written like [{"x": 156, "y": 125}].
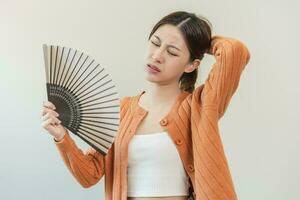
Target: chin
[{"x": 151, "y": 78}]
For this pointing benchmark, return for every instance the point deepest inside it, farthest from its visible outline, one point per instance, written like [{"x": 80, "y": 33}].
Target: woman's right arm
[{"x": 87, "y": 168}]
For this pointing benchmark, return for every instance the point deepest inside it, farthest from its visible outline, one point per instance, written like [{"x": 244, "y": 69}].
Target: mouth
[{"x": 153, "y": 67}]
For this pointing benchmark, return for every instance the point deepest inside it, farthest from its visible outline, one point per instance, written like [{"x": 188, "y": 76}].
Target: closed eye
[
  {"x": 154, "y": 43},
  {"x": 168, "y": 51}
]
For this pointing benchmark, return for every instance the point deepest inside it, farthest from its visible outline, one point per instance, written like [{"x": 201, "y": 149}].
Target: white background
[{"x": 260, "y": 129}]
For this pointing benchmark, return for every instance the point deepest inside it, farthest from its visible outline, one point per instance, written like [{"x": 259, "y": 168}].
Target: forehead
[{"x": 170, "y": 34}]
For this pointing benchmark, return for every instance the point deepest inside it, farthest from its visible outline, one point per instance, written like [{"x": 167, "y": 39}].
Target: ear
[{"x": 192, "y": 66}]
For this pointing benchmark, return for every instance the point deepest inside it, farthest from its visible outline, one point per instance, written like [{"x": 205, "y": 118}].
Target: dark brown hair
[{"x": 196, "y": 31}]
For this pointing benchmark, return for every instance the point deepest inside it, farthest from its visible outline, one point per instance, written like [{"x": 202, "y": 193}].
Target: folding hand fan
[{"x": 84, "y": 96}]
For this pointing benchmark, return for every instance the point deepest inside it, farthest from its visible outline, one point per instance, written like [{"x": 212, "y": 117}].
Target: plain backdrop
[{"x": 260, "y": 130}]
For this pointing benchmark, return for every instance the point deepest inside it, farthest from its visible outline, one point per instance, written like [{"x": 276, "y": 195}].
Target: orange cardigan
[{"x": 192, "y": 123}]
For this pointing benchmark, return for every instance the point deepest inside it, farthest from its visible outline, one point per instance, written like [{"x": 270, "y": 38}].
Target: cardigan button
[
  {"x": 164, "y": 122},
  {"x": 191, "y": 168},
  {"x": 178, "y": 142}
]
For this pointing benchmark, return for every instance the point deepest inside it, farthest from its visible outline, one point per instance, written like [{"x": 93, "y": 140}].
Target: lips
[{"x": 153, "y": 67}]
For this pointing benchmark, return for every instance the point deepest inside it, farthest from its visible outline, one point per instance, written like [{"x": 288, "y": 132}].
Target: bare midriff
[{"x": 158, "y": 198}]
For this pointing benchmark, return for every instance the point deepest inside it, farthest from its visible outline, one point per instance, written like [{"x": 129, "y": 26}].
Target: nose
[{"x": 158, "y": 55}]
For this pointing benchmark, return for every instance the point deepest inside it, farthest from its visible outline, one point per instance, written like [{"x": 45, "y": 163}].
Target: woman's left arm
[{"x": 231, "y": 58}]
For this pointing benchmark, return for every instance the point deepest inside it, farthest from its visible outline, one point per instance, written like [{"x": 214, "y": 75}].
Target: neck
[{"x": 162, "y": 94}]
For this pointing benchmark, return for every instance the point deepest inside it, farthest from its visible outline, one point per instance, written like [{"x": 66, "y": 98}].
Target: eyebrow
[{"x": 170, "y": 45}]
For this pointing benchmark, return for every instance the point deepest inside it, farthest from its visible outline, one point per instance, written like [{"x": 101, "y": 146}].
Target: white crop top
[{"x": 155, "y": 168}]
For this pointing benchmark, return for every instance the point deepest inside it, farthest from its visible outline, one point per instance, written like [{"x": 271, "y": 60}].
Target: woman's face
[{"x": 168, "y": 52}]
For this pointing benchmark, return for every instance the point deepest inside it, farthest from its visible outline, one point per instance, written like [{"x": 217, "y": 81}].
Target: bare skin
[
  {"x": 158, "y": 198},
  {"x": 150, "y": 123}
]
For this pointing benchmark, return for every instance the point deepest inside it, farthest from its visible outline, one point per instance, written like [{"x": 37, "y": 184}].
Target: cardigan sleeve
[
  {"x": 87, "y": 167},
  {"x": 231, "y": 57}
]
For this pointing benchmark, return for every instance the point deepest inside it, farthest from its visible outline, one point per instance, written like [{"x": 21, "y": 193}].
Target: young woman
[{"x": 168, "y": 145}]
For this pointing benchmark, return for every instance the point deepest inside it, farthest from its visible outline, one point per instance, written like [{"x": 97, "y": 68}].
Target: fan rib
[
  {"x": 46, "y": 56},
  {"x": 55, "y": 64},
  {"x": 94, "y": 104},
  {"x": 97, "y": 92},
  {"x": 99, "y": 122},
  {"x": 69, "y": 67},
  {"x": 97, "y": 117},
  {"x": 77, "y": 91},
  {"x": 103, "y": 127},
  {"x": 71, "y": 88},
  {"x": 71, "y": 82},
  {"x": 83, "y": 103},
  {"x": 92, "y": 89},
  {"x": 67, "y": 83},
  {"x": 104, "y": 152},
  {"x": 59, "y": 68},
  {"x": 51, "y": 64},
  {"x": 97, "y": 137},
  {"x": 100, "y": 113},
  {"x": 91, "y": 129},
  {"x": 98, "y": 108},
  {"x": 62, "y": 74}
]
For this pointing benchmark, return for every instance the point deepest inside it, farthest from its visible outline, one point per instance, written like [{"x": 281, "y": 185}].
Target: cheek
[
  {"x": 174, "y": 66},
  {"x": 150, "y": 49},
  {"x": 148, "y": 53}
]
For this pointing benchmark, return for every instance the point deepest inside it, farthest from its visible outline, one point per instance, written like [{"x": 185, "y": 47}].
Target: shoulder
[
  {"x": 127, "y": 104},
  {"x": 195, "y": 95},
  {"x": 128, "y": 101},
  {"x": 125, "y": 100}
]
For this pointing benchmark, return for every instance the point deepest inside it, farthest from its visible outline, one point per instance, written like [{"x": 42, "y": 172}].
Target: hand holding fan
[{"x": 84, "y": 96}]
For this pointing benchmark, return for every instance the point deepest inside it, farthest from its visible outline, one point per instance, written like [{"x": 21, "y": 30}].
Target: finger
[
  {"x": 48, "y": 116},
  {"x": 45, "y": 117},
  {"x": 47, "y": 124},
  {"x": 46, "y": 110},
  {"x": 49, "y": 104},
  {"x": 51, "y": 121},
  {"x": 55, "y": 121}
]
